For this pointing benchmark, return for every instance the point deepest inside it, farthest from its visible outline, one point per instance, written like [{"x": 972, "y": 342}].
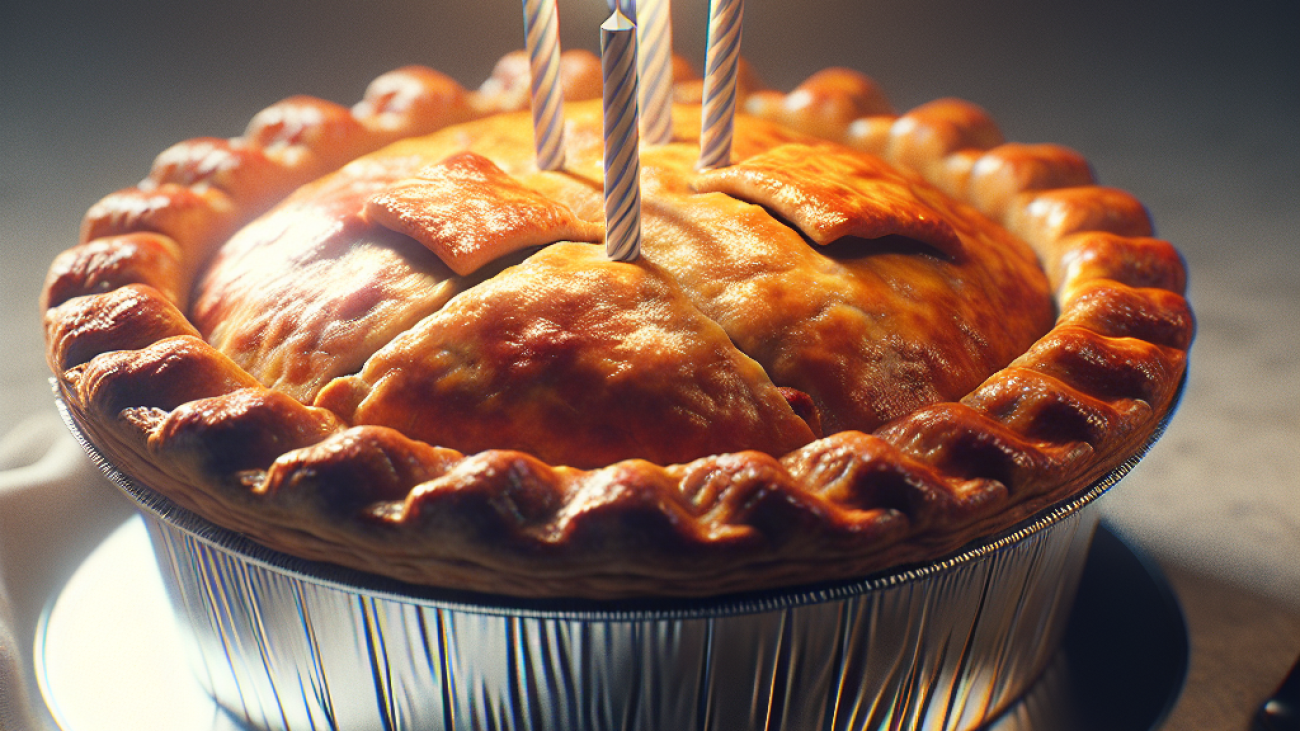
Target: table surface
[{"x": 1192, "y": 106}]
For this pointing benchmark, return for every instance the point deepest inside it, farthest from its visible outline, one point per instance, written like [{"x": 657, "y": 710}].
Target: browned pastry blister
[
  {"x": 998, "y": 175},
  {"x": 107, "y": 263},
  {"x": 412, "y": 100},
  {"x": 925, "y": 137},
  {"x": 821, "y": 366},
  {"x": 236, "y": 167},
  {"x": 824, "y": 105},
  {"x": 309, "y": 134},
  {"x": 195, "y": 218},
  {"x": 129, "y": 317},
  {"x": 1133, "y": 260},
  {"x": 508, "y": 89}
]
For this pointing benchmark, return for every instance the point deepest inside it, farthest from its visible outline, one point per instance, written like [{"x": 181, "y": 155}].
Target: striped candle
[
  {"x": 721, "y": 63},
  {"x": 626, "y": 7},
  {"x": 622, "y": 158},
  {"x": 542, "y": 37},
  {"x": 654, "y": 29}
]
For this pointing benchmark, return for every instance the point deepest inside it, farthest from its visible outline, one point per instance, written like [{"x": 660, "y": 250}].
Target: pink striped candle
[
  {"x": 622, "y": 157},
  {"x": 654, "y": 29},
  {"x": 722, "y": 61},
  {"x": 542, "y": 38}
]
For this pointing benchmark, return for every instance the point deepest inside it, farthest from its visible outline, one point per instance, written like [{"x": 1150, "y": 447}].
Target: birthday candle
[
  {"x": 654, "y": 30},
  {"x": 722, "y": 60},
  {"x": 542, "y": 37},
  {"x": 626, "y": 7},
  {"x": 622, "y": 158}
]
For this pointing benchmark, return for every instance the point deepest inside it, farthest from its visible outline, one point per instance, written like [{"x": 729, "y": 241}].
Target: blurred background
[{"x": 1193, "y": 106}]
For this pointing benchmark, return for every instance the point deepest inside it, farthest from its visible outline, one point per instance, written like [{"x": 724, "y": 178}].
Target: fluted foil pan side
[
  {"x": 941, "y": 652},
  {"x": 282, "y": 643}
]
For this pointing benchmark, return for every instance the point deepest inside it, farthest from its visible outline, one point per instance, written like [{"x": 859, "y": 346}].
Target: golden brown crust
[
  {"x": 238, "y": 168},
  {"x": 507, "y": 89},
  {"x": 995, "y": 177},
  {"x": 1046, "y": 218},
  {"x": 169, "y": 409},
  {"x": 924, "y": 138},
  {"x": 536, "y": 337},
  {"x": 126, "y": 318},
  {"x": 410, "y": 101},
  {"x": 824, "y": 105},
  {"x": 108, "y": 263},
  {"x": 369, "y": 293},
  {"x": 238, "y": 432},
  {"x": 830, "y": 197},
  {"x": 308, "y": 134},
  {"x": 783, "y": 303},
  {"x": 470, "y": 212},
  {"x": 195, "y": 218},
  {"x": 1132, "y": 260}
]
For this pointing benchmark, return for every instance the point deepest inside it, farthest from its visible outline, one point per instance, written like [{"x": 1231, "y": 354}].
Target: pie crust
[{"x": 870, "y": 340}]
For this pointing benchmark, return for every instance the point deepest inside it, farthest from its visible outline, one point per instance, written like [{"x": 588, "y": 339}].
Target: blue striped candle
[
  {"x": 654, "y": 29},
  {"x": 542, "y": 37},
  {"x": 622, "y": 158},
  {"x": 721, "y": 63},
  {"x": 626, "y": 7}
]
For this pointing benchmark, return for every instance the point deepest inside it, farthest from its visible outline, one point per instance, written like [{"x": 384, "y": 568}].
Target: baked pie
[{"x": 381, "y": 337}]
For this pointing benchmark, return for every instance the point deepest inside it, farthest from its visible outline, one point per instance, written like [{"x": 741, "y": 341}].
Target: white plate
[{"x": 109, "y": 655}]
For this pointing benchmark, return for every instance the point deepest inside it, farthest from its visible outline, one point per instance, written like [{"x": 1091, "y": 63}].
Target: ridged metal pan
[{"x": 283, "y": 643}]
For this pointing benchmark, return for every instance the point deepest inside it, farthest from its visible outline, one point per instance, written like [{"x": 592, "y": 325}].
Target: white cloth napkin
[
  {"x": 15, "y": 711},
  {"x": 55, "y": 507}
]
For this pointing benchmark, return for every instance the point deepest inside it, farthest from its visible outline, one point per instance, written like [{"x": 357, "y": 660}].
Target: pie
[{"x": 380, "y": 337}]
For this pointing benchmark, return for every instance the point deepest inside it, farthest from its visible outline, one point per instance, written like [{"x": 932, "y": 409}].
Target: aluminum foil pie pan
[{"x": 283, "y": 643}]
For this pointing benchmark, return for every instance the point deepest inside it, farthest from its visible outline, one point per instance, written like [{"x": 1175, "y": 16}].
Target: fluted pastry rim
[{"x": 171, "y": 411}]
